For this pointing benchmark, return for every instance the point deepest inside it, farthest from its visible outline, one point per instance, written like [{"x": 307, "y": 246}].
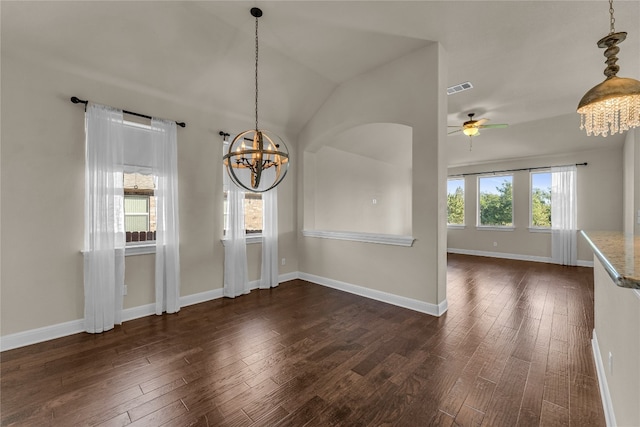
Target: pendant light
[
  {"x": 613, "y": 105},
  {"x": 257, "y": 160}
]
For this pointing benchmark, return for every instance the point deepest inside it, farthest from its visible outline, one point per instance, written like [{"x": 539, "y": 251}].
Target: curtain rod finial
[{"x": 77, "y": 100}]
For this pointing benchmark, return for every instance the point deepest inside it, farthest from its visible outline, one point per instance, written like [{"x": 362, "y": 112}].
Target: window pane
[
  {"x": 136, "y": 213},
  {"x": 541, "y": 199},
  {"x": 455, "y": 201},
  {"x": 253, "y": 212},
  {"x": 496, "y": 200},
  {"x": 136, "y": 223},
  {"x": 136, "y": 204}
]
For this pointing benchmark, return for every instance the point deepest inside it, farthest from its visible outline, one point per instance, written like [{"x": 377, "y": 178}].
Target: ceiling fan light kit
[
  {"x": 257, "y": 159},
  {"x": 613, "y": 105},
  {"x": 471, "y": 131}
]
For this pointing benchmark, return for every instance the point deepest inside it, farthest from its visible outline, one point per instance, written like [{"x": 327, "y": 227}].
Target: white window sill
[
  {"x": 539, "y": 230},
  {"x": 251, "y": 239},
  {"x": 456, "y": 226},
  {"x": 385, "y": 239},
  {"x": 488, "y": 228},
  {"x": 141, "y": 248}
]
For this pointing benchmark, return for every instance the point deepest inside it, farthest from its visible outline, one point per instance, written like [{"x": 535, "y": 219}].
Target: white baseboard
[
  {"x": 46, "y": 333},
  {"x": 519, "y": 257},
  {"x": 34, "y": 336},
  {"x": 288, "y": 276},
  {"x": 607, "y": 404},
  {"x": 583, "y": 263},
  {"x": 410, "y": 303}
]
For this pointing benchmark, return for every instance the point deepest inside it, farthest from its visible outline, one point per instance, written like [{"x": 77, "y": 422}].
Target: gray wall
[
  {"x": 631, "y": 201},
  {"x": 408, "y": 91}
]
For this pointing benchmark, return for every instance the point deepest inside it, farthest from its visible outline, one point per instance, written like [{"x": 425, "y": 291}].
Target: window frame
[
  {"x": 480, "y": 226},
  {"x": 534, "y": 228},
  {"x": 464, "y": 210}
]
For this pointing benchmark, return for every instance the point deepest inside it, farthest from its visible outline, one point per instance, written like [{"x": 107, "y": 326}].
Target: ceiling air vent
[{"x": 459, "y": 88}]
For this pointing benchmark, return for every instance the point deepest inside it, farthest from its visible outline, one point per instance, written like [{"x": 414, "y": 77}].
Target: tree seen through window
[
  {"x": 541, "y": 199},
  {"x": 455, "y": 201},
  {"x": 496, "y": 201}
]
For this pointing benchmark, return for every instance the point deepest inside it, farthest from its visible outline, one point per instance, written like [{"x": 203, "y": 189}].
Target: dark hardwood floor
[{"x": 513, "y": 350}]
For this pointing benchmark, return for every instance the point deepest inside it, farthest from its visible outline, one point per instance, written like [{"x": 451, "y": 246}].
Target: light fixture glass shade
[
  {"x": 257, "y": 160},
  {"x": 470, "y": 131},
  {"x": 613, "y": 107}
]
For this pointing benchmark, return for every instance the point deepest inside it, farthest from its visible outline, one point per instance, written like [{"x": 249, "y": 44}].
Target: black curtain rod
[
  {"x": 515, "y": 170},
  {"x": 224, "y": 134},
  {"x": 77, "y": 100}
]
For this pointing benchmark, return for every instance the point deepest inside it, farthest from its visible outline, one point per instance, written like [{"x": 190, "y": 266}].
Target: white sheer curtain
[
  {"x": 269, "y": 272},
  {"x": 165, "y": 168},
  {"x": 563, "y": 215},
  {"x": 236, "y": 274},
  {"x": 104, "y": 237}
]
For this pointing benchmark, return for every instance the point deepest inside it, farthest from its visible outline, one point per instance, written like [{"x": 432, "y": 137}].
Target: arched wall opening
[{"x": 361, "y": 181}]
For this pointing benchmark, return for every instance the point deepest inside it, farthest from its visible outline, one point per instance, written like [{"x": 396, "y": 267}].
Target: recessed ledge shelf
[
  {"x": 384, "y": 239},
  {"x": 619, "y": 254}
]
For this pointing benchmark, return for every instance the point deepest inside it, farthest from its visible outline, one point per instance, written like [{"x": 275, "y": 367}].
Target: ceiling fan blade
[
  {"x": 454, "y": 131},
  {"x": 480, "y": 122},
  {"x": 501, "y": 125},
  {"x": 453, "y": 126}
]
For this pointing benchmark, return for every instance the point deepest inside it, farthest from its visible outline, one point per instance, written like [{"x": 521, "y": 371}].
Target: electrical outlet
[
  {"x": 284, "y": 261},
  {"x": 610, "y": 363},
  {"x": 495, "y": 244},
  {"x": 374, "y": 201}
]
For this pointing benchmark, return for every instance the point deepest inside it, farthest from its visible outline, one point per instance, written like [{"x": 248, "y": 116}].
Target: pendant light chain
[
  {"x": 256, "y": 73},
  {"x": 612, "y": 20}
]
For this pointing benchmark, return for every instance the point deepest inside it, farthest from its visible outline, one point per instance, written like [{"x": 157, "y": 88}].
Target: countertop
[{"x": 619, "y": 253}]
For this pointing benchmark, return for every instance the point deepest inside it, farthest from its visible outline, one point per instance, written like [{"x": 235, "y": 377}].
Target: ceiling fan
[{"x": 472, "y": 127}]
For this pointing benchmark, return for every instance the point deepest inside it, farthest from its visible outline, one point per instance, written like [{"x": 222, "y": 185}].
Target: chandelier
[
  {"x": 257, "y": 160},
  {"x": 613, "y": 105}
]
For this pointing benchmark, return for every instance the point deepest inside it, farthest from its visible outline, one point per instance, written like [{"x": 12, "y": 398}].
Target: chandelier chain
[
  {"x": 256, "y": 73},
  {"x": 612, "y": 19}
]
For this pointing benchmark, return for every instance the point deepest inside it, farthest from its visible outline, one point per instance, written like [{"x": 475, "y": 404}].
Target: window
[
  {"x": 252, "y": 212},
  {"x": 495, "y": 201},
  {"x": 540, "y": 199},
  {"x": 139, "y": 208},
  {"x": 455, "y": 201}
]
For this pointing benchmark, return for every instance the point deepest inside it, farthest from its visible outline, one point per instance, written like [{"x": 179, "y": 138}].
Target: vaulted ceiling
[{"x": 530, "y": 62}]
